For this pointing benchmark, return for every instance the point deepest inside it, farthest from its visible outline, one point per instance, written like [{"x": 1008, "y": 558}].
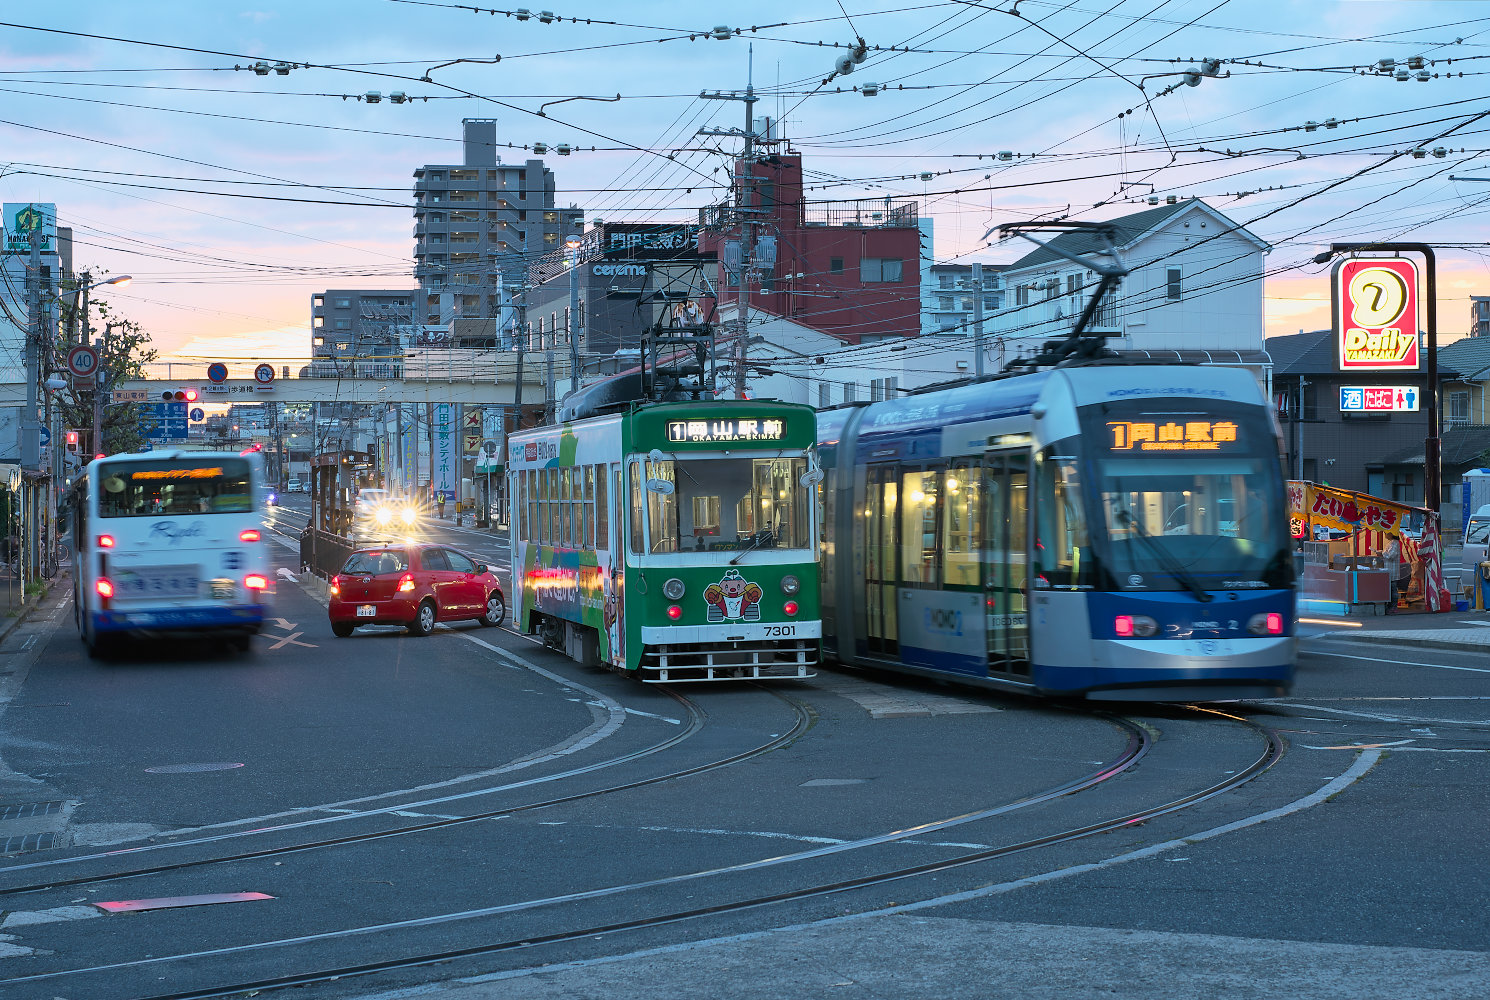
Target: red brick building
[{"x": 850, "y": 268}]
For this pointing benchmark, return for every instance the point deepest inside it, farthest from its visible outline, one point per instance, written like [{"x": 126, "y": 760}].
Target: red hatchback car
[{"x": 414, "y": 586}]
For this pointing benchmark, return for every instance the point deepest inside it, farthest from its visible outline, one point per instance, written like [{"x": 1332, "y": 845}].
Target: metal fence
[{"x": 323, "y": 553}]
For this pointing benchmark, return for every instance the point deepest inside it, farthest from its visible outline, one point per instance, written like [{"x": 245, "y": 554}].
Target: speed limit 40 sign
[{"x": 82, "y": 361}]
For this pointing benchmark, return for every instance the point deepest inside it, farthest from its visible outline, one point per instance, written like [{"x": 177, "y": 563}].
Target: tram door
[
  {"x": 1006, "y": 480},
  {"x": 880, "y": 558}
]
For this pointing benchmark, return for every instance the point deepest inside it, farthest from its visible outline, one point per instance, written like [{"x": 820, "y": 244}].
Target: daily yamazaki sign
[{"x": 1376, "y": 314}]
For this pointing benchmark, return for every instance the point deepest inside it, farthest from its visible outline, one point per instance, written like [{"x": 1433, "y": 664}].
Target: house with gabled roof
[{"x": 1194, "y": 290}]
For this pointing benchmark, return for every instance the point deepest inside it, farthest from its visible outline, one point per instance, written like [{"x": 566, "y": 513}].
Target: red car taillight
[
  {"x": 406, "y": 583},
  {"x": 335, "y": 585}
]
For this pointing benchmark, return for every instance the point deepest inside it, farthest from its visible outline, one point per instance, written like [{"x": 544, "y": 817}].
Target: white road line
[
  {"x": 652, "y": 715},
  {"x": 1356, "y": 770},
  {"x": 1404, "y": 663}
]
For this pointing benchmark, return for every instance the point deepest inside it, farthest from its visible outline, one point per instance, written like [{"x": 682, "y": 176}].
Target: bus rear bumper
[{"x": 234, "y": 618}]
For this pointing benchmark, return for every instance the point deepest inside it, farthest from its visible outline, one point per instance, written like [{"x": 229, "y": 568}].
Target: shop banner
[{"x": 1341, "y": 510}]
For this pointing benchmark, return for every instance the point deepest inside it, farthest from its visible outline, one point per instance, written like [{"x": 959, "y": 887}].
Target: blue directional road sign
[
  {"x": 198, "y": 414},
  {"x": 163, "y": 421}
]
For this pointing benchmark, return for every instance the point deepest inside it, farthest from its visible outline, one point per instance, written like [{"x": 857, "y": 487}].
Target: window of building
[
  {"x": 1073, "y": 284},
  {"x": 1459, "y": 407},
  {"x": 318, "y": 300},
  {"x": 343, "y": 324},
  {"x": 1022, "y": 295},
  {"x": 944, "y": 281},
  {"x": 550, "y": 216},
  {"x": 318, "y": 321},
  {"x": 343, "y": 303},
  {"x": 491, "y": 175},
  {"x": 436, "y": 217},
  {"x": 437, "y": 237},
  {"x": 437, "y": 175},
  {"x": 967, "y": 305},
  {"x": 824, "y": 395},
  {"x": 1173, "y": 291},
  {"x": 464, "y": 175},
  {"x": 835, "y": 265},
  {"x": 875, "y": 270},
  {"x": 550, "y": 237},
  {"x": 944, "y": 303}
]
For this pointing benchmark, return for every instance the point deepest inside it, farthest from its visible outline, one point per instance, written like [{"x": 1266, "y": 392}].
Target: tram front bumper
[{"x": 1178, "y": 669}]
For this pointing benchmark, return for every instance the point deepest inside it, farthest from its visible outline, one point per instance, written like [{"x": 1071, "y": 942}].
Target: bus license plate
[
  {"x": 165, "y": 581},
  {"x": 366, "y": 611}
]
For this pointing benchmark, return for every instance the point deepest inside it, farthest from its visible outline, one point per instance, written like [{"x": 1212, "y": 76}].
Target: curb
[
  {"x": 23, "y": 611},
  {"x": 1410, "y": 643}
]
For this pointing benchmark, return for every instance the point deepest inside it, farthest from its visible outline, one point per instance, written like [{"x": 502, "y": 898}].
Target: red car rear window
[{"x": 377, "y": 563}]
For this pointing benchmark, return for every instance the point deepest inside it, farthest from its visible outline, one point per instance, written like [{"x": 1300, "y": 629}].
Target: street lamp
[{"x": 102, "y": 348}]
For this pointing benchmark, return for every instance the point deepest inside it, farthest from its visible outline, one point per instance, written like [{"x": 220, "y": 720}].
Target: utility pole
[
  {"x": 30, "y": 429},
  {"x": 572, "y": 320},
  {"x": 520, "y": 337},
  {"x": 549, "y": 390},
  {"x": 977, "y": 320},
  {"x": 744, "y": 209}
]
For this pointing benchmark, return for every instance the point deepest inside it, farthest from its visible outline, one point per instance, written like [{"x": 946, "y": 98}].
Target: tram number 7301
[{"x": 779, "y": 630}]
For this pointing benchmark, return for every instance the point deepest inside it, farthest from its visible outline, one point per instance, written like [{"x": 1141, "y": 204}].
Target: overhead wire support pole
[{"x": 747, "y": 234}]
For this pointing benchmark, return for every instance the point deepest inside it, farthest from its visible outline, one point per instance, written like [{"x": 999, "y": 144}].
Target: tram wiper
[
  {"x": 1171, "y": 565},
  {"x": 767, "y": 533}
]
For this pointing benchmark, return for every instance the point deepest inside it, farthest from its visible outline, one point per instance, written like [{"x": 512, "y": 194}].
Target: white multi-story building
[{"x": 1194, "y": 287}]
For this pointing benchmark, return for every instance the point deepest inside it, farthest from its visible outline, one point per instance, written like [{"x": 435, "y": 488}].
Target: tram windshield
[
  {"x": 722, "y": 504},
  {"x": 1187, "y": 494}
]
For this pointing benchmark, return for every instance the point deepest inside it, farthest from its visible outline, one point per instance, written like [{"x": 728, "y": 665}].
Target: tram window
[
  {"x": 519, "y": 482},
  {"x": 602, "y": 513},
  {"x": 532, "y": 505},
  {"x": 962, "y": 525},
  {"x": 551, "y": 519},
  {"x": 637, "y": 539},
  {"x": 1062, "y": 548},
  {"x": 589, "y": 539},
  {"x": 918, "y": 528},
  {"x": 705, "y": 517},
  {"x": 662, "y": 509},
  {"x": 566, "y": 508}
]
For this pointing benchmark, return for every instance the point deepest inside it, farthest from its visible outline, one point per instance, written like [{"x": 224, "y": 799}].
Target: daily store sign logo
[{"x": 1376, "y": 314}]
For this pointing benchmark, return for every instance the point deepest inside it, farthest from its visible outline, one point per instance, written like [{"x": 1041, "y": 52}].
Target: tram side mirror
[
  {"x": 811, "y": 478},
  {"x": 660, "y": 486}
]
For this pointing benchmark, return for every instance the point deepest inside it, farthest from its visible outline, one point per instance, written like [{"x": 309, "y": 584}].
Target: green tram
[{"x": 674, "y": 541}]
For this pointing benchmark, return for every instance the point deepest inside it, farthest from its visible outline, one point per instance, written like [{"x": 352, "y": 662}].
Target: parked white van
[{"x": 1476, "y": 547}]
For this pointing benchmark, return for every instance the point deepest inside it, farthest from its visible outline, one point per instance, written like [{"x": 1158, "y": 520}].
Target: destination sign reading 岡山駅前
[
  {"x": 1172, "y": 435},
  {"x": 728, "y": 431}
]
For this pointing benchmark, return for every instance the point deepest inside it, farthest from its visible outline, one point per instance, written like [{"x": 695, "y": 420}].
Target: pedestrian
[{"x": 440, "y": 502}]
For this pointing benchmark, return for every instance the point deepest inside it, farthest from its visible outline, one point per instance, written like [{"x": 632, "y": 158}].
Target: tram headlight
[
  {"x": 1266, "y": 623},
  {"x": 1135, "y": 626},
  {"x": 674, "y": 589},
  {"x": 790, "y": 584}
]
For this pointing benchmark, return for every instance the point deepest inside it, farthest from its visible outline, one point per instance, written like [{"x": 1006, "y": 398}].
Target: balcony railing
[{"x": 870, "y": 213}]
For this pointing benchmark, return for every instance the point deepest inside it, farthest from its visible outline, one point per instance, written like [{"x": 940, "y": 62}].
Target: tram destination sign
[
  {"x": 727, "y": 431},
  {"x": 1172, "y": 435}
]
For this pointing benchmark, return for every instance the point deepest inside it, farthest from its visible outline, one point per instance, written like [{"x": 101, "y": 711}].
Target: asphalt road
[{"x": 550, "y": 813}]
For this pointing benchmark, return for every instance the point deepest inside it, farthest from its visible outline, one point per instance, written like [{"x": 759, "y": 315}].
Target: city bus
[{"x": 167, "y": 543}]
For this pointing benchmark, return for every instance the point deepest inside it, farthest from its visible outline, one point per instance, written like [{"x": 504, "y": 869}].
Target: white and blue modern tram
[{"x": 1109, "y": 531}]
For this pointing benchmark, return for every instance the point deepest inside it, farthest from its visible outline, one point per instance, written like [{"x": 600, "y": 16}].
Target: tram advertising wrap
[
  {"x": 677, "y": 541},
  {"x": 1108, "y": 531}
]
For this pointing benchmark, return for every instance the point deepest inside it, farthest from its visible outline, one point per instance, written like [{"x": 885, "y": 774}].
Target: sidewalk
[
  {"x": 14, "y": 606},
  {"x": 1467, "y": 631}
]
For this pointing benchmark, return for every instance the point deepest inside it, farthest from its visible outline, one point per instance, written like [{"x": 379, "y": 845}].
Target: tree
[{"x": 125, "y": 354}]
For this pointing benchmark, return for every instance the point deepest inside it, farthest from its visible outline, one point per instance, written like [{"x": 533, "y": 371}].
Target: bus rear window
[{"x": 174, "y": 488}]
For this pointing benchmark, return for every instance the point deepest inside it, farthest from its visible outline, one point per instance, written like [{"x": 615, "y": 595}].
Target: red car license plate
[{"x": 366, "y": 611}]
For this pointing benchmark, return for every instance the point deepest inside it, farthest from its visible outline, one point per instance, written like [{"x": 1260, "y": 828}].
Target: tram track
[
  {"x": 1140, "y": 742},
  {"x": 803, "y": 719}
]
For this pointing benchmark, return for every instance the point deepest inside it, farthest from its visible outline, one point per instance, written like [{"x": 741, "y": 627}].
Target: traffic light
[
  {"x": 188, "y": 395},
  {"x": 72, "y": 441}
]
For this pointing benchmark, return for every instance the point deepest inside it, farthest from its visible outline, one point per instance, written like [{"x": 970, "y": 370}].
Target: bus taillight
[
  {"x": 106, "y": 541},
  {"x": 256, "y": 581},
  {"x": 249, "y": 535},
  {"x": 105, "y": 587}
]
